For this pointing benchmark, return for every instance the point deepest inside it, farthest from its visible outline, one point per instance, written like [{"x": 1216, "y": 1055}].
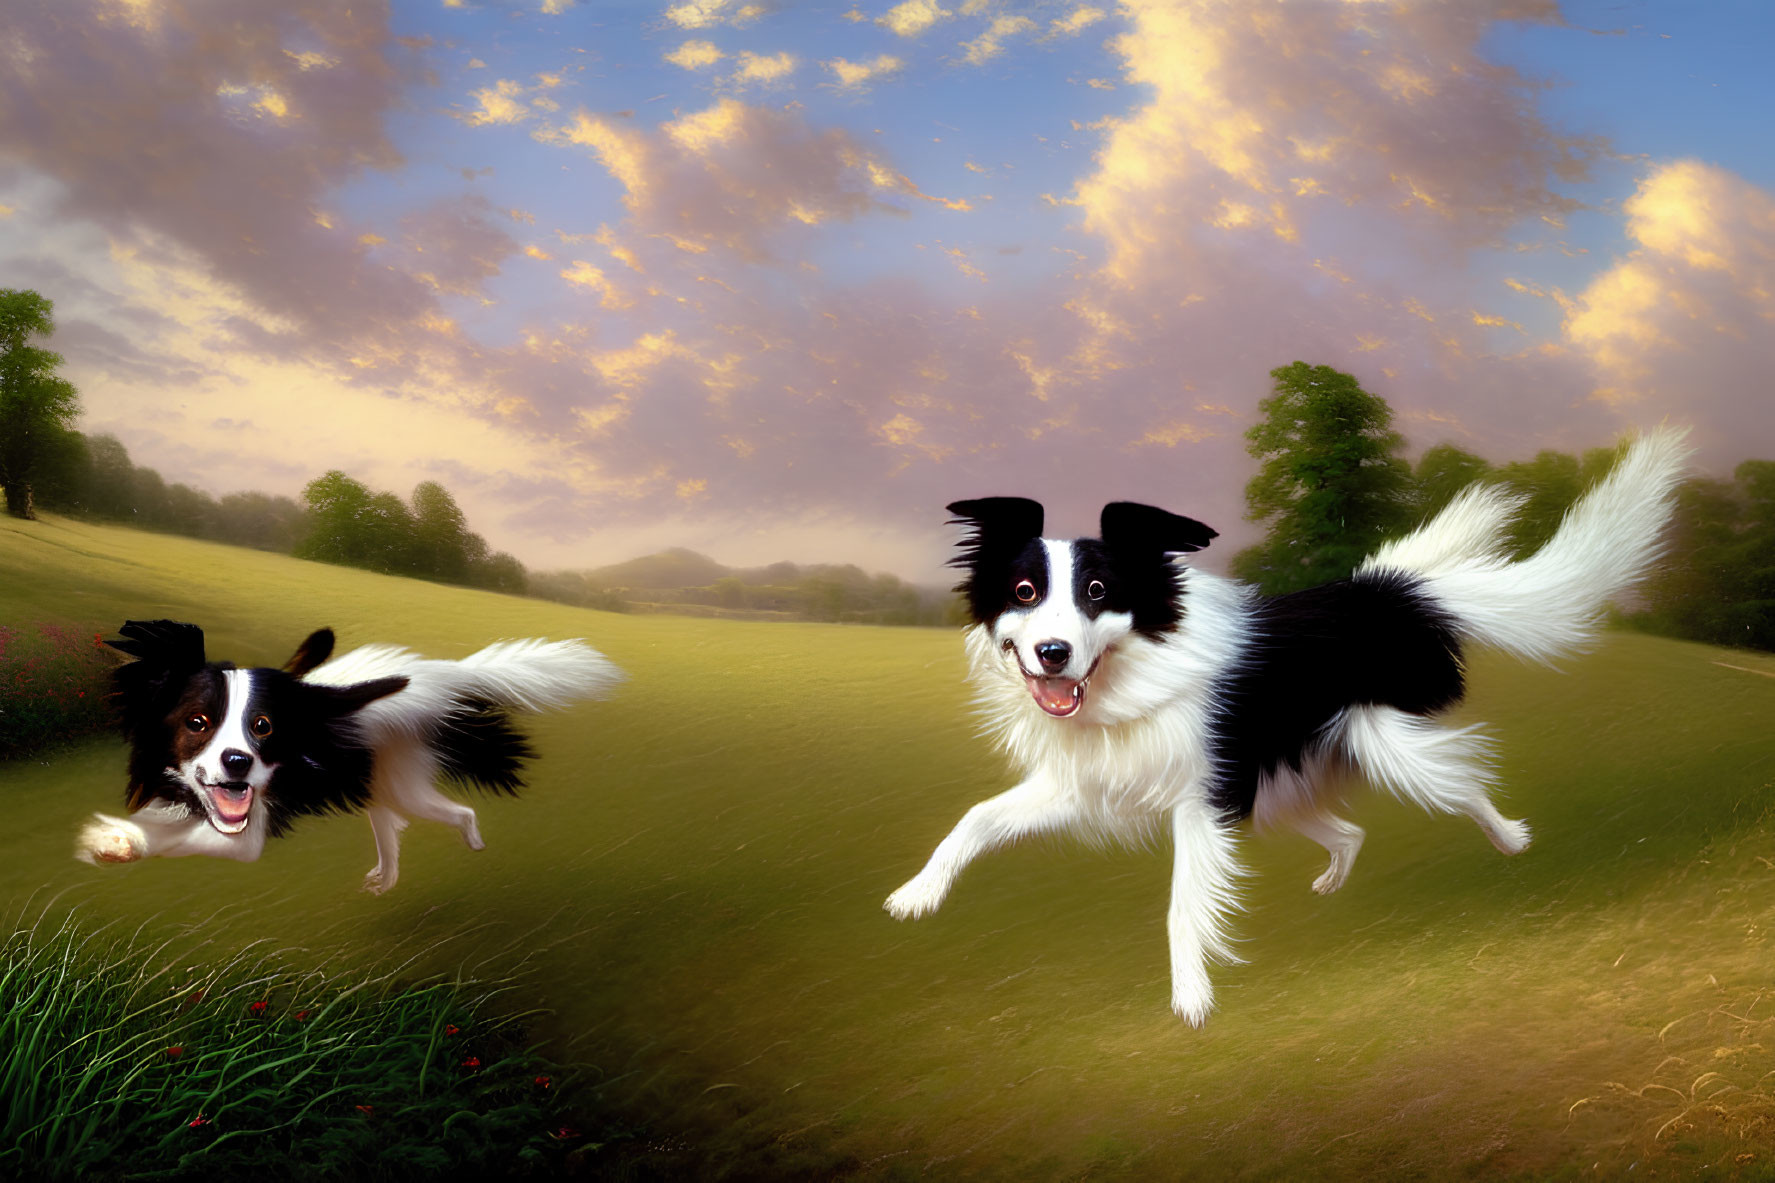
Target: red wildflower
[
  {"x": 196, "y": 997},
  {"x": 452, "y": 1029},
  {"x": 98, "y": 640},
  {"x": 543, "y": 1082},
  {"x": 563, "y": 1133},
  {"x": 200, "y": 1119},
  {"x": 301, "y": 1015},
  {"x": 175, "y": 1051},
  {"x": 258, "y": 1008},
  {"x": 366, "y": 1108},
  {"x": 472, "y": 1063}
]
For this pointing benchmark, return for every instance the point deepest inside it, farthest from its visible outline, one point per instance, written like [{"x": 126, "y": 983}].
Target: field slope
[{"x": 696, "y": 877}]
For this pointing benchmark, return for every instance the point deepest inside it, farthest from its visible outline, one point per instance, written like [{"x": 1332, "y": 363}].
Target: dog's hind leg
[
  {"x": 386, "y": 825},
  {"x": 1033, "y": 807},
  {"x": 1201, "y": 896},
  {"x": 1294, "y": 797},
  {"x": 1340, "y": 837},
  {"x": 420, "y": 799},
  {"x": 1442, "y": 769}
]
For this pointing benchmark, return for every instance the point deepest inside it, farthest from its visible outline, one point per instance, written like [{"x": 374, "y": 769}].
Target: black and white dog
[
  {"x": 1132, "y": 693},
  {"x": 223, "y": 758}
]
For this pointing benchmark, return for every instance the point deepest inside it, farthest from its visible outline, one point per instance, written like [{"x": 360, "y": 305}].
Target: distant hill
[
  {"x": 680, "y": 580},
  {"x": 672, "y": 568}
]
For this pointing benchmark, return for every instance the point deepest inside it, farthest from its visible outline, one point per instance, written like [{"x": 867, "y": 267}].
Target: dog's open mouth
[
  {"x": 1060, "y": 697},
  {"x": 231, "y": 804}
]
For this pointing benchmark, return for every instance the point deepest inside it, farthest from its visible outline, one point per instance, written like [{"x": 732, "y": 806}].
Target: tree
[
  {"x": 1717, "y": 581},
  {"x": 1442, "y": 472},
  {"x": 1331, "y": 486},
  {"x": 113, "y": 492},
  {"x": 37, "y": 408},
  {"x": 337, "y": 506},
  {"x": 440, "y": 534},
  {"x": 1551, "y": 482}
]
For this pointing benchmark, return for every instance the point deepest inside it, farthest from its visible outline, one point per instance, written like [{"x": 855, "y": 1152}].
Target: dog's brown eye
[
  {"x": 197, "y": 723},
  {"x": 1026, "y": 592},
  {"x": 1096, "y": 590},
  {"x": 262, "y": 726}
]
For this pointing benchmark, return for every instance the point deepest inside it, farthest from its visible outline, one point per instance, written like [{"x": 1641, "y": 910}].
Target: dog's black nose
[
  {"x": 236, "y": 763},
  {"x": 1053, "y": 655}
]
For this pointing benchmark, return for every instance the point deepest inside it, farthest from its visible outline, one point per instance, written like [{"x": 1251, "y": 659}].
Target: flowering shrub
[{"x": 54, "y": 683}]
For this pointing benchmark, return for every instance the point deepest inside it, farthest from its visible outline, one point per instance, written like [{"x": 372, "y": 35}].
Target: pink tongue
[
  {"x": 231, "y": 809},
  {"x": 1055, "y": 695}
]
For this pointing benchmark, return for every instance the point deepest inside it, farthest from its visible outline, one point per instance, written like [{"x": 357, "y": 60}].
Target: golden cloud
[
  {"x": 912, "y": 17},
  {"x": 856, "y": 74},
  {"x": 990, "y": 44},
  {"x": 694, "y": 55}
]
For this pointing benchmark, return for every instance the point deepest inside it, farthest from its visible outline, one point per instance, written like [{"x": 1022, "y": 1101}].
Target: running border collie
[
  {"x": 1131, "y": 693},
  {"x": 223, "y": 758}
]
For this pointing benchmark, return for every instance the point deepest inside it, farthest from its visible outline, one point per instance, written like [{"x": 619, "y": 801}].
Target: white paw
[
  {"x": 1192, "y": 1001},
  {"x": 471, "y": 836},
  {"x": 373, "y": 881},
  {"x": 918, "y": 896},
  {"x": 110, "y": 840},
  {"x": 1512, "y": 837},
  {"x": 1333, "y": 878}
]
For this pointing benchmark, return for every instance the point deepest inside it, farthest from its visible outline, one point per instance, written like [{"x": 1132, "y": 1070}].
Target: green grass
[
  {"x": 122, "y": 1056},
  {"x": 700, "y": 863}
]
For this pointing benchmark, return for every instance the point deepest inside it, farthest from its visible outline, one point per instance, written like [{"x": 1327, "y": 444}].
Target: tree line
[
  {"x": 1332, "y": 485},
  {"x": 45, "y": 461},
  {"x": 683, "y": 581}
]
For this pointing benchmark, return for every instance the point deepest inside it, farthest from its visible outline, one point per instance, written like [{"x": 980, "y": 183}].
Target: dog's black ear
[
  {"x": 169, "y": 643},
  {"x": 344, "y": 700},
  {"x": 310, "y": 653},
  {"x": 1127, "y": 525},
  {"x": 167, "y": 653},
  {"x": 994, "y": 524}
]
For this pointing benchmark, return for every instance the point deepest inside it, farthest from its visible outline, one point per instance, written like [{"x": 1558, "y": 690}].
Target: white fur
[
  {"x": 1135, "y": 755},
  {"x": 527, "y": 675}
]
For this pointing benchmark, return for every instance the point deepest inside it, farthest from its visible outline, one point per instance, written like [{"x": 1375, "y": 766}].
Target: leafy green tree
[
  {"x": 1551, "y": 482},
  {"x": 64, "y": 473},
  {"x": 261, "y": 520},
  {"x": 440, "y": 534},
  {"x": 1331, "y": 485},
  {"x": 502, "y": 573},
  {"x": 338, "y": 507},
  {"x": 37, "y": 408},
  {"x": 1442, "y": 472},
  {"x": 112, "y": 493},
  {"x": 1717, "y": 582}
]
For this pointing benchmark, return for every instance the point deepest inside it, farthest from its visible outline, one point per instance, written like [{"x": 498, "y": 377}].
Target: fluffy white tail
[
  {"x": 1549, "y": 604},
  {"x": 528, "y": 675}
]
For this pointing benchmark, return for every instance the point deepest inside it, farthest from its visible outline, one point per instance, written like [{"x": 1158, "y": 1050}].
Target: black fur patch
[
  {"x": 1375, "y": 640},
  {"x": 479, "y": 746},
  {"x": 310, "y": 654},
  {"x": 1004, "y": 532},
  {"x": 1133, "y": 563}
]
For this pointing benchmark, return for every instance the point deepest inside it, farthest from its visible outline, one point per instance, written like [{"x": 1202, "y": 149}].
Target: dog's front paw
[
  {"x": 374, "y": 880},
  {"x": 917, "y": 897},
  {"x": 110, "y": 840}
]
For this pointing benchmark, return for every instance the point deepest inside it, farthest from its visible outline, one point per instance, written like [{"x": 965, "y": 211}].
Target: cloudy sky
[{"x": 776, "y": 279}]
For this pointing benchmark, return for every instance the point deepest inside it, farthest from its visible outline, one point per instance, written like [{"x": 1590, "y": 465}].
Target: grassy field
[{"x": 693, "y": 887}]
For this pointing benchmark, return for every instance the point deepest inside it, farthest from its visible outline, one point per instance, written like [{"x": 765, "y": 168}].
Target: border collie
[
  {"x": 1133, "y": 694},
  {"x": 223, "y": 758}
]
